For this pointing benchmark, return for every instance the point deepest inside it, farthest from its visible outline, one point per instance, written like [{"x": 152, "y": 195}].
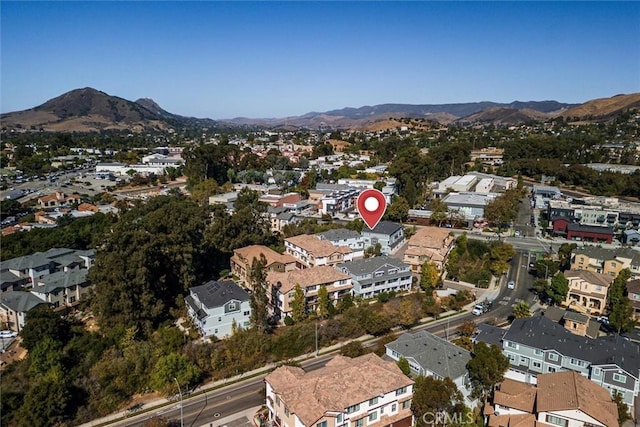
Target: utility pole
[
  {"x": 316, "y": 338},
  {"x": 180, "y": 391}
]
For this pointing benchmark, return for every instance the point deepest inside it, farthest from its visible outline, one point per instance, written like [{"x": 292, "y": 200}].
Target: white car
[
  {"x": 511, "y": 284},
  {"x": 8, "y": 334},
  {"x": 477, "y": 310}
]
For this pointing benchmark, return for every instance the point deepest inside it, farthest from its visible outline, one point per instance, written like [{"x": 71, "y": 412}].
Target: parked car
[
  {"x": 8, "y": 334},
  {"x": 477, "y": 310},
  {"x": 511, "y": 284}
]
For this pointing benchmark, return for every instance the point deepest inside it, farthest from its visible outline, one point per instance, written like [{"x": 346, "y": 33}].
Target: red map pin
[{"x": 371, "y": 206}]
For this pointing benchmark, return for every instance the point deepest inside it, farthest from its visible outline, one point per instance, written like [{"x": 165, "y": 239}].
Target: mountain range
[{"x": 90, "y": 110}]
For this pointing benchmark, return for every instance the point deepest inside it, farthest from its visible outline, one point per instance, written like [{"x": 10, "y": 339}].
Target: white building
[{"x": 216, "y": 306}]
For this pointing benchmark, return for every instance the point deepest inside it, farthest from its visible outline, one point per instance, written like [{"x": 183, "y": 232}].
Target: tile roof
[
  {"x": 432, "y": 353},
  {"x": 431, "y": 237},
  {"x": 20, "y": 301},
  {"x": 308, "y": 277},
  {"x": 542, "y": 333},
  {"x": 562, "y": 391},
  {"x": 341, "y": 383},
  {"x": 590, "y": 277},
  {"x": 516, "y": 395},
  {"x": 249, "y": 253},
  {"x": 317, "y": 247},
  {"x": 369, "y": 265},
  {"x": 215, "y": 294}
]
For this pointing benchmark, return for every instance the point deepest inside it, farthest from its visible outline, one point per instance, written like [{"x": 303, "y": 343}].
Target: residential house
[
  {"x": 281, "y": 287},
  {"x": 278, "y": 200},
  {"x": 588, "y": 290},
  {"x": 538, "y": 345},
  {"x": 40, "y": 264},
  {"x": 390, "y": 236},
  {"x": 432, "y": 356},
  {"x": 310, "y": 251},
  {"x": 345, "y": 237},
  {"x": 633, "y": 293},
  {"x": 14, "y": 306},
  {"x": 576, "y": 323},
  {"x": 57, "y": 199},
  {"x": 216, "y": 307},
  {"x": 10, "y": 281},
  {"x": 559, "y": 399},
  {"x": 358, "y": 392},
  {"x": 243, "y": 258},
  {"x": 371, "y": 276},
  {"x": 62, "y": 288},
  {"x": 631, "y": 237},
  {"x": 606, "y": 261},
  {"x": 428, "y": 244}
]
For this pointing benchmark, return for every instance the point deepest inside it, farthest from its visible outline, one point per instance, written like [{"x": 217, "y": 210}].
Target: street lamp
[{"x": 180, "y": 391}]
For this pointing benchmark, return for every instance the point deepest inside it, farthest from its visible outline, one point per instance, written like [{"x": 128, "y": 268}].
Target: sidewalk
[{"x": 240, "y": 419}]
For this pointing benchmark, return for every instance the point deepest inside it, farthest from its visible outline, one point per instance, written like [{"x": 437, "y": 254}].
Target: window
[
  {"x": 394, "y": 408},
  {"x": 233, "y": 306},
  {"x": 278, "y": 400},
  {"x": 620, "y": 378},
  {"x": 512, "y": 344},
  {"x": 322, "y": 424},
  {"x": 551, "y": 369},
  {"x": 247, "y": 313},
  {"x": 359, "y": 423},
  {"x": 524, "y": 360},
  {"x": 553, "y": 356},
  {"x": 219, "y": 319},
  {"x": 215, "y": 331},
  {"x": 596, "y": 371},
  {"x": 406, "y": 404},
  {"x": 378, "y": 274},
  {"x": 512, "y": 357},
  {"x": 339, "y": 419},
  {"x": 537, "y": 352},
  {"x": 536, "y": 364},
  {"x": 373, "y": 416},
  {"x": 393, "y": 271},
  {"x": 373, "y": 401},
  {"x": 286, "y": 411},
  {"x": 401, "y": 391},
  {"x": 557, "y": 421},
  {"x": 352, "y": 409}
]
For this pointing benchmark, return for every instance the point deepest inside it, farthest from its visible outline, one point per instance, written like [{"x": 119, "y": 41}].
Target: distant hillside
[
  {"x": 505, "y": 116},
  {"x": 604, "y": 108},
  {"x": 90, "y": 110}
]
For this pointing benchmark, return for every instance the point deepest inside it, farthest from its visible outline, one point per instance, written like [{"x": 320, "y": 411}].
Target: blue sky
[{"x": 276, "y": 59}]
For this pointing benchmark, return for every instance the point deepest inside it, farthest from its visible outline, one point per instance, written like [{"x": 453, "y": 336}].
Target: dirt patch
[{"x": 14, "y": 352}]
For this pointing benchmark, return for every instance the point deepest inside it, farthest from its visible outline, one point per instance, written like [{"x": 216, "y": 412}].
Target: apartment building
[
  {"x": 371, "y": 276},
  {"x": 360, "y": 392},
  {"x": 587, "y": 290},
  {"x": 428, "y": 244},
  {"x": 243, "y": 258},
  {"x": 390, "y": 236},
  {"x": 345, "y": 237},
  {"x": 310, "y": 251},
  {"x": 606, "y": 261}
]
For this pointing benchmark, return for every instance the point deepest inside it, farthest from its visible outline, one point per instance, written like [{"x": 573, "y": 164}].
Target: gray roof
[
  {"x": 605, "y": 253},
  {"x": 369, "y": 265},
  {"x": 60, "y": 280},
  {"x": 545, "y": 334},
  {"x": 554, "y": 313},
  {"x": 383, "y": 227},
  {"x": 20, "y": 301},
  {"x": 576, "y": 317},
  {"x": 62, "y": 256},
  {"x": 338, "y": 234},
  {"x": 432, "y": 353},
  {"x": 489, "y": 334},
  {"x": 215, "y": 294},
  {"x": 286, "y": 216},
  {"x": 589, "y": 228}
]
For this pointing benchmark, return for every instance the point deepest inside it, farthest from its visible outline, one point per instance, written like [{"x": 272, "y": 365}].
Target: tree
[
  {"x": 47, "y": 403},
  {"x": 433, "y": 396},
  {"x": 621, "y": 316},
  {"x": 353, "y": 349},
  {"x": 375, "y": 250},
  {"x": 403, "y": 364},
  {"x": 521, "y": 310},
  {"x": 259, "y": 300},
  {"x": 298, "y": 305},
  {"x": 429, "y": 276},
  {"x": 41, "y": 323},
  {"x": 173, "y": 367},
  {"x": 324, "y": 303},
  {"x": 623, "y": 409},
  {"x": 398, "y": 210},
  {"x": 486, "y": 369},
  {"x": 559, "y": 288},
  {"x": 439, "y": 211}
]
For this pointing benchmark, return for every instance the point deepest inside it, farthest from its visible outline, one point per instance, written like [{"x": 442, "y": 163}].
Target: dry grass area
[
  {"x": 604, "y": 106},
  {"x": 14, "y": 352}
]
